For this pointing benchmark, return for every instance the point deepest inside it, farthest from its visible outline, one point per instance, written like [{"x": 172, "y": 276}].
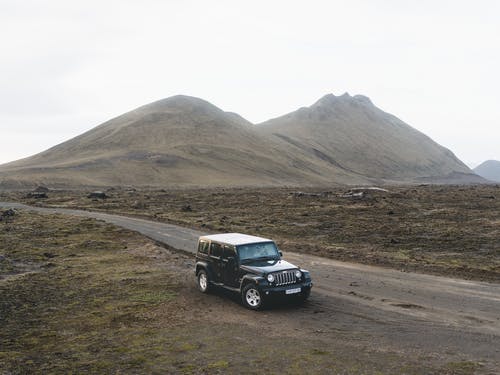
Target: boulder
[
  {"x": 9, "y": 212},
  {"x": 36, "y": 195},
  {"x": 97, "y": 195}
]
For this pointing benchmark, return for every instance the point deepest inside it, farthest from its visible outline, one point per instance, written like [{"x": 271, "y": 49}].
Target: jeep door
[
  {"x": 229, "y": 266},
  {"x": 215, "y": 261}
]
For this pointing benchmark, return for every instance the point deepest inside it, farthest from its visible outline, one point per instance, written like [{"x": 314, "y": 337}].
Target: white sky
[{"x": 66, "y": 66}]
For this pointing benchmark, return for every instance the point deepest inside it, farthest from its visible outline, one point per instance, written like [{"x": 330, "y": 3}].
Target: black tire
[
  {"x": 203, "y": 281},
  {"x": 251, "y": 297}
]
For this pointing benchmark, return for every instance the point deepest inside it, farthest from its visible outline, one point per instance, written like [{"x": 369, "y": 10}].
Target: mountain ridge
[
  {"x": 354, "y": 127},
  {"x": 187, "y": 141}
]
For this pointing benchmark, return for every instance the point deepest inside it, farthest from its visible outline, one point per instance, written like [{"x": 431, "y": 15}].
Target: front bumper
[{"x": 269, "y": 291}]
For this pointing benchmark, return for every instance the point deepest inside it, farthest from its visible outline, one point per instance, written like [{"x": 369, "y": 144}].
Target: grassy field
[
  {"x": 81, "y": 296},
  {"x": 447, "y": 230}
]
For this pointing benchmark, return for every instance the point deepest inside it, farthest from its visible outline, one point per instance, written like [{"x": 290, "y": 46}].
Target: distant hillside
[
  {"x": 185, "y": 141},
  {"x": 490, "y": 170},
  {"x": 352, "y": 134}
]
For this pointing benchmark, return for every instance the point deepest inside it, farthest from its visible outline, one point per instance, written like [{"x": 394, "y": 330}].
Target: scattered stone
[
  {"x": 187, "y": 208},
  {"x": 372, "y": 188},
  {"x": 36, "y": 195},
  {"x": 97, "y": 195},
  {"x": 300, "y": 194},
  {"x": 391, "y": 212},
  {"x": 41, "y": 189},
  {"x": 364, "y": 192},
  {"x": 353, "y": 195},
  {"x": 138, "y": 205},
  {"x": 9, "y": 212},
  {"x": 49, "y": 255}
]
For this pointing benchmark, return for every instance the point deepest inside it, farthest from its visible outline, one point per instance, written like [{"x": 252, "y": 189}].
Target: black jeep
[{"x": 251, "y": 266}]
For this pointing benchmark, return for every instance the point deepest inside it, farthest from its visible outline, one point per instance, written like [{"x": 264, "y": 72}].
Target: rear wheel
[
  {"x": 203, "y": 283},
  {"x": 251, "y": 297}
]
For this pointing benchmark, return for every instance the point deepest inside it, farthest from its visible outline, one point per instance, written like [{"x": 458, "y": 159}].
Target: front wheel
[
  {"x": 203, "y": 283},
  {"x": 251, "y": 297}
]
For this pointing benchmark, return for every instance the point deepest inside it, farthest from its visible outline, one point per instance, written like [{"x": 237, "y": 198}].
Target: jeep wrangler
[{"x": 251, "y": 266}]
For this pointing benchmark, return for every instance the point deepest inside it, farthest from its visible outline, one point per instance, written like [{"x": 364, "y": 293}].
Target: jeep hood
[{"x": 261, "y": 267}]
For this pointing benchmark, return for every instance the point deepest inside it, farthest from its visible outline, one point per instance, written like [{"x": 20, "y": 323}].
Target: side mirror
[{"x": 281, "y": 254}]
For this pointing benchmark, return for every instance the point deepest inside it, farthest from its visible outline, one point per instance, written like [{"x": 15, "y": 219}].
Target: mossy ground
[
  {"x": 81, "y": 296},
  {"x": 446, "y": 230}
]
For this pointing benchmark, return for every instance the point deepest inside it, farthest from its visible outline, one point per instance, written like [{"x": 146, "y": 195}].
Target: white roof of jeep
[{"x": 234, "y": 238}]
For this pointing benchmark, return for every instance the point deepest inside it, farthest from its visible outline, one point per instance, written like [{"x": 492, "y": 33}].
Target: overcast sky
[{"x": 66, "y": 66}]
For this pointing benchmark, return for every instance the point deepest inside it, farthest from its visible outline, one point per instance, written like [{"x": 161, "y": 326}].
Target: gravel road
[{"x": 431, "y": 315}]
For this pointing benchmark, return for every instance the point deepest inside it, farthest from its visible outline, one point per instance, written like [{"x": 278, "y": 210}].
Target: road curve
[{"x": 463, "y": 315}]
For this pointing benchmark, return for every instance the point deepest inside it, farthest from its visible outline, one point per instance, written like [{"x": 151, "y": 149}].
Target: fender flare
[
  {"x": 250, "y": 279},
  {"x": 205, "y": 266}
]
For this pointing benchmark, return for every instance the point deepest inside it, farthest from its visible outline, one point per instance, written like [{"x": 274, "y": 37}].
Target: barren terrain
[
  {"x": 444, "y": 230},
  {"x": 78, "y": 295}
]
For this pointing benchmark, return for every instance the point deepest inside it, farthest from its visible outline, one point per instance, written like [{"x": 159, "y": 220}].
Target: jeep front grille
[{"x": 284, "y": 278}]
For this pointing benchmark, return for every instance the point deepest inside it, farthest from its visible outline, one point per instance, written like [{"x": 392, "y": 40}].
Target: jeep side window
[
  {"x": 228, "y": 252},
  {"x": 215, "y": 250},
  {"x": 203, "y": 247}
]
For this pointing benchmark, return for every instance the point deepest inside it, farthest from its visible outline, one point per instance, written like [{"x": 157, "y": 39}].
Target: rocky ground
[
  {"x": 78, "y": 295},
  {"x": 446, "y": 230}
]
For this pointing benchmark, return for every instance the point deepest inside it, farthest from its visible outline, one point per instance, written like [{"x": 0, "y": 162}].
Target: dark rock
[
  {"x": 41, "y": 189},
  {"x": 391, "y": 212},
  {"x": 9, "y": 212},
  {"x": 187, "y": 208},
  {"x": 97, "y": 194},
  {"x": 49, "y": 255},
  {"x": 300, "y": 194},
  {"x": 36, "y": 195}
]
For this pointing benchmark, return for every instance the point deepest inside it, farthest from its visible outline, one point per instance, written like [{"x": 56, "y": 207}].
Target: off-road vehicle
[{"x": 251, "y": 266}]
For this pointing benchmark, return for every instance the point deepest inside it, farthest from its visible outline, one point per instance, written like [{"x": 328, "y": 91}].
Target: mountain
[
  {"x": 178, "y": 141},
  {"x": 490, "y": 170},
  {"x": 184, "y": 141},
  {"x": 351, "y": 133}
]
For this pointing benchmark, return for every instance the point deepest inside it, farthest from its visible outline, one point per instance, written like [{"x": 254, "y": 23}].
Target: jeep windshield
[{"x": 258, "y": 251}]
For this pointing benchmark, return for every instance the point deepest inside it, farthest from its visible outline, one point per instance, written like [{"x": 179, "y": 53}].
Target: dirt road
[{"x": 431, "y": 316}]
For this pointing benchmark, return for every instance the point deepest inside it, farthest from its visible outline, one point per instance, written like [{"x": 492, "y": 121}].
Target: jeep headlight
[
  {"x": 270, "y": 278},
  {"x": 298, "y": 274}
]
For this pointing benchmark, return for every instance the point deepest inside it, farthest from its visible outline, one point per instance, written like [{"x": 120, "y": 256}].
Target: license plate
[{"x": 292, "y": 291}]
